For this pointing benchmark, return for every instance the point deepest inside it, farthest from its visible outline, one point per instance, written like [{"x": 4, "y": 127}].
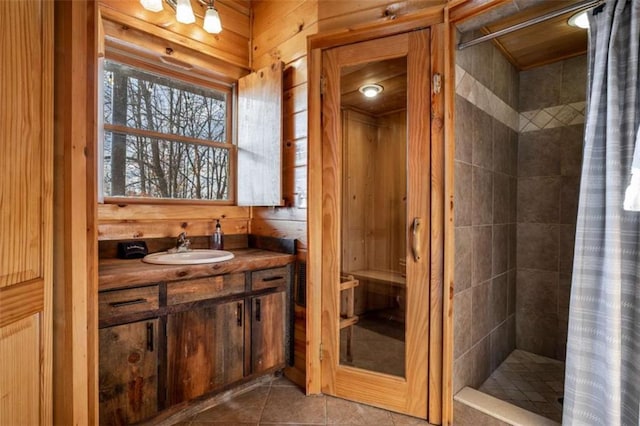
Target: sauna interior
[{"x": 88, "y": 336}]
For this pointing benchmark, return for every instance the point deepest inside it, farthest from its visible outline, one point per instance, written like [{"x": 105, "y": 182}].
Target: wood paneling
[
  {"x": 337, "y": 15},
  {"x": 289, "y": 24},
  {"x": 155, "y": 49},
  {"x": 460, "y": 10},
  {"x": 280, "y": 31},
  {"x": 166, "y": 228},
  {"x": 231, "y": 45},
  {"x": 260, "y": 134},
  {"x": 448, "y": 229},
  {"x": 128, "y": 212},
  {"x": 75, "y": 251},
  {"x": 19, "y": 378},
  {"x": 543, "y": 43},
  {"x": 128, "y": 221},
  {"x": 21, "y": 151},
  {"x": 436, "y": 283},
  {"x": 26, "y": 191},
  {"x": 20, "y": 301}
]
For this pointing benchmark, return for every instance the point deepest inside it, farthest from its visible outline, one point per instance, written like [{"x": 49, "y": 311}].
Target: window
[{"x": 164, "y": 138}]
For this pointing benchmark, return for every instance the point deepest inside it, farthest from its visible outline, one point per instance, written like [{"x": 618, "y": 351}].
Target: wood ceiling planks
[{"x": 543, "y": 43}]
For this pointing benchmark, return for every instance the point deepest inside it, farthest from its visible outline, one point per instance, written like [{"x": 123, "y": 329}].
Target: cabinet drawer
[
  {"x": 120, "y": 302},
  {"x": 269, "y": 278},
  {"x": 204, "y": 288}
]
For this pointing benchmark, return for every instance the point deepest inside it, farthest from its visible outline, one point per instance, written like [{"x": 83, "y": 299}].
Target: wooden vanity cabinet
[
  {"x": 128, "y": 372},
  {"x": 205, "y": 350},
  {"x": 204, "y": 335}
]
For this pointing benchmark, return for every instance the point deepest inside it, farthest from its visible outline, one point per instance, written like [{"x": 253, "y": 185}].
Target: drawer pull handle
[
  {"x": 258, "y": 313},
  {"x": 276, "y": 278},
  {"x": 239, "y": 314},
  {"x": 150, "y": 336},
  {"x": 127, "y": 303}
]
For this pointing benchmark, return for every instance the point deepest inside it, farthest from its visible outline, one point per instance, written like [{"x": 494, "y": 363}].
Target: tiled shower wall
[
  {"x": 549, "y": 159},
  {"x": 485, "y": 213}
]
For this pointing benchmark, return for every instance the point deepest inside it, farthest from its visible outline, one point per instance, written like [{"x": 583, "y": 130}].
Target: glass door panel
[{"x": 374, "y": 215}]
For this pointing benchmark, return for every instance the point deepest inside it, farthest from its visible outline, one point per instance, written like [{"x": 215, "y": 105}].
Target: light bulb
[
  {"x": 212, "y": 22},
  {"x": 152, "y": 5},
  {"x": 580, "y": 20},
  {"x": 371, "y": 90},
  {"x": 184, "y": 12}
]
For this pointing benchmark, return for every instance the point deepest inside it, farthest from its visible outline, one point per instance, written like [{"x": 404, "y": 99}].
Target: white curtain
[{"x": 602, "y": 383}]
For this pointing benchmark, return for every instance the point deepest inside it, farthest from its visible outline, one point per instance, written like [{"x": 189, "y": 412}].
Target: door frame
[{"x": 439, "y": 374}]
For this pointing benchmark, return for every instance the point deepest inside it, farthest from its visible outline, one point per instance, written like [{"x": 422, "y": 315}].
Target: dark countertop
[{"x": 123, "y": 273}]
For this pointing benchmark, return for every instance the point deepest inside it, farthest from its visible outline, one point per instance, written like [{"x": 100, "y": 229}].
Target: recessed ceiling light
[
  {"x": 580, "y": 20},
  {"x": 371, "y": 90}
]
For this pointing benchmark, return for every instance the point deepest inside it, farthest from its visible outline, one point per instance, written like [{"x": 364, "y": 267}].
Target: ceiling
[
  {"x": 540, "y": 44},
  {"x": 391, "y": 74}
]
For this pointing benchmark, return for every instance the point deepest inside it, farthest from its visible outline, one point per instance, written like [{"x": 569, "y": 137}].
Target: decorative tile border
[
  {"x": 546, "y": 118},
  {"x": 550, "y": 117},
  {"x": 479, "y": 95}
]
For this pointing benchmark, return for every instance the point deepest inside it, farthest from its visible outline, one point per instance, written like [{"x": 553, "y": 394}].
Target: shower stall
[{"x": 518, "y": 150}]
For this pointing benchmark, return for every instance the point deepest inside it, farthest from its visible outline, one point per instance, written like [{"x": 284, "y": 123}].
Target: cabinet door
[
  {"x": 268, "y": 331},
  {"x": 128, "y": 372},
  {"x": 205, "y": 350}
]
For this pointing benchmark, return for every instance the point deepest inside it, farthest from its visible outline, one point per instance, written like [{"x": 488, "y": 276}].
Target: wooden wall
[
  {"x": 374, "y": 204},
  {"x": 230, "y": 46},
  {"x": 280, "y": 30},
  {"x": 340, "y": 14},
  {"x": 224, "y": 56}
]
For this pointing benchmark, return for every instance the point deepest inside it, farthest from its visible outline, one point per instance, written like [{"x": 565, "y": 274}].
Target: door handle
[
  {"x": 239, "y": 314},
  {"x": 415, "y": 239},
  {"x": 258, "y": 313},
  {"x": 150, "y": 336}
]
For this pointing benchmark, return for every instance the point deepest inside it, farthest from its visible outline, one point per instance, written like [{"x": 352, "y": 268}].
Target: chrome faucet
[{"x": 183, "y": 243}]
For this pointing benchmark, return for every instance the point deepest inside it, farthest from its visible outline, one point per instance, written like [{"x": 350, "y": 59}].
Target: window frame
[{"x": 170, "y": 72}]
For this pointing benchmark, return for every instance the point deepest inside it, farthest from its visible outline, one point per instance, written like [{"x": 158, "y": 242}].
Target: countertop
[{"x": 123, "y": 273}]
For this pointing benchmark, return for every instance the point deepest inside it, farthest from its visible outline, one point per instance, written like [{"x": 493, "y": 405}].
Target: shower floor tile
[{"x": 530, "y": 381}]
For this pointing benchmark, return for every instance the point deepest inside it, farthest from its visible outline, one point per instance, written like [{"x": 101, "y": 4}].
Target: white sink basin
[{"x": 191, "y": 257}]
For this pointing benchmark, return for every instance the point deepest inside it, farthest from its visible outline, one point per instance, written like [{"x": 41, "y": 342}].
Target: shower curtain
[{"x": 602, "y": 382}]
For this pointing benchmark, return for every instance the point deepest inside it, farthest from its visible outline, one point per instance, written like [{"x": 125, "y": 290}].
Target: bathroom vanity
[{"x": 170, "y": 334}]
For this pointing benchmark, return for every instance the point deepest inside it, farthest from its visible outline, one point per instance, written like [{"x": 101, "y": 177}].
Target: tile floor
[
  {"x": 279, "y": 402},
  {"x": 530, "y": 381}
]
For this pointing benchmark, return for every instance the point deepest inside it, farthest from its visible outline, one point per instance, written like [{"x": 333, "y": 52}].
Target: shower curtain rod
[{"x": 582, "y": 5}]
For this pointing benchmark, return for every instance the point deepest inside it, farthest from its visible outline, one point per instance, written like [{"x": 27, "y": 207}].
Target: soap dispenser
[{"x": 217, "y": 239}]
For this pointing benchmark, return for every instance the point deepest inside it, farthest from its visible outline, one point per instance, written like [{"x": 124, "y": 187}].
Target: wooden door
[
  {"x": 205, "y": 350},
  {"x": 128, "y": 372},
  {"x": 26, "y": 177},
  {"x": 268, "y": 331},
  {"x": 376, "y": 220}
]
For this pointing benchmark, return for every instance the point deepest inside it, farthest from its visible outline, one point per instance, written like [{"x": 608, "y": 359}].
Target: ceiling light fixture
[
  {"x": 185, "y": 15},
  {"x": 371, "y": 90},
  {"x": 152, "y": 5},
  {"x": 580, "y": 20}
]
